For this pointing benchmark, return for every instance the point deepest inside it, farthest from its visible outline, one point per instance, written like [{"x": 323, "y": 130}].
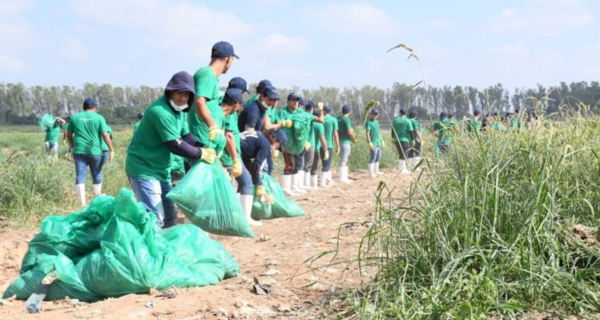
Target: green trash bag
[
  {"x": 133, "y": 256},
  {"x": 207, "y": 198},
  {"x": 298, "y": 134},
  {"x": 47, "y": 121},
  {"x": 282, "y": 207}
]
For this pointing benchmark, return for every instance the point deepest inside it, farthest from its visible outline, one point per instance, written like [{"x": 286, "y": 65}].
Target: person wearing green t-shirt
[
  {"x": 330, "y": 125},
  {"x": 51, "y": 139},
  {"x": 86, "y": 131},
  {"x": 444, "y": 130},
  {"x": 375, "y": 143},
  {"x": 474, "y": 124},
  {"x": 320, "y": 146},
  {"x": 414, "y": 154},
  {"x": 163, "y": 133},
  {"x": 292, "y": 151},
  {"x": 402, "y": 134},
  {"x": 309, "y": 153},
  {"x": 346, "y": 134},
  {"x": 206, "y": 120}
]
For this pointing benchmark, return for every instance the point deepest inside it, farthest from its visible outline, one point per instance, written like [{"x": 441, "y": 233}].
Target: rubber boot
[
  {"x": 307, "y": 184},
  {"x": 246, "y": 201},
  {"x": 344, "y": 175},
  {"x": 402, "y": 167},
  {"x": 329, "y": 178},
  {"x": 97, "y": 189},
  {"x": 286, "y": 185},
  {"x": 323, "y": 179},
  {"x": 80, "y": 189},
  {"x": 372, "y": 170},
  {"x": 314, "y": 182},
  {"x": 377, "y": 172},
  {"x": 296, "y": 180}
]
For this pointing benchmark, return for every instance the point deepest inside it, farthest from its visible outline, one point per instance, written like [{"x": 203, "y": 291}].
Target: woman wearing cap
[
  {"x": 375, "y": 143},
  {"x": 403, "y": 134},
  {"x": 163, "y": 132}
]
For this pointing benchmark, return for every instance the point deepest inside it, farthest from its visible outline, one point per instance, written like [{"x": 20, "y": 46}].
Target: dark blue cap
[
  {"x": 413, "y": 113},
  {"x": 327, "y": 108},
  {"x": 140, "y": 115},
  {"x": 233, "y": 95},
  {"x": 450, "y": 115},
  {"x": 310, "y": 104},
  {"x": 271, "y": 92},
  {"x": 294, "y": 96},
  {"x": 262, "y": 84},
  {"x": 317, "y": 113},
  {"x": 281, "y": 137},
  {"x": 346, "y": 109},
  {"x": 181, "y": 82},
  {"x": 375, "y": 112},
  {"x": 222, "y": 49},
  {"x": 238, "y": 83},
  {"x": 402, "y": 111},
  {"x": 302, "y": 102},
  {"x": 444, "y": 114},
  {"x": 476, "y": 112},
  {"x": 88, "y": 102}
]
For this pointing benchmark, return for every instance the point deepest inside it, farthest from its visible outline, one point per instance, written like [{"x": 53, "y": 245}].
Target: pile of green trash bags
[
  {"x": 281, "y": 207},
  {"x": 112, "y": 248},
  {"x": 46, "y": 122},
  {"x": 206, "y": 197}
]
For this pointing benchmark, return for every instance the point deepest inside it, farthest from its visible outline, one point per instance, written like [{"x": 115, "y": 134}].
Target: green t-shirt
[
  {"x": 311, "y": 134},
  {"x": 475, "y": 125},
  {"x": 331, "y": 125},
  {"x": 136, "y": 125},
  {"x": 344, "y": 125},
  {"x": 373, "y": 128},
  {"x": 207, "y": 86},
  {"x": 318, "y": 131},
  {"x": 402, "y": 127},
  {"x": 444, "y": 128},
  {"x": 273, "y": 115},
  {"x": 53, "y": 133},
  {"x": 416, "y": 126},
  {"x": 110, "y": 134},
  {"x": 87, "y": 128},
  {"x": 231, "y": 125},
  {"x": 148, "y": 156}
]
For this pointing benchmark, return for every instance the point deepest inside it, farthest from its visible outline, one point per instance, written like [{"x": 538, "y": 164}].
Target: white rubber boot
[
  {"x": 344, "y": 175},
  {"x": 80, "y": 189},
  {"x": 329, "y": 177},
  {"x": 372, "y": 170},
  {"x": 307, "y": 185},
  {"x": 377, "y": 172},
  {"x": 286, "y": 185},
  {"x": 296, "y": 179},
  {"x": 314, "y": 182},
  {"x": 402, "y": 167},
  {"x": 246, "y": 201},
  {"x": 300, "y": 181},
  {"x": 323, "y": 179},
  {"x": 97, "y": 189}
]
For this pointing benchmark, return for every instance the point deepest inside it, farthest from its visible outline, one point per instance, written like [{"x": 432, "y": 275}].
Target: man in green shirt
[
  {"x": 319, "y": 148},
  {"x": 475, "y": 123},
  {"x": 330, "y": 125},
  {"x": 206, "y": 121},
  {"x": 51, "y": 139},
  {"x": 294, "y": 147},
  {"x": 375, "y": 142},
  {"x": 86, "y": 131},
  {"x": 346, "y": 134},
  {"x": 162, "y": 134},
  {"x": 309, "y": 152},
  {"x": 414, "y": 154},
  {"x": 444, "y": 130},
  {"x": 402, "y": 134}
]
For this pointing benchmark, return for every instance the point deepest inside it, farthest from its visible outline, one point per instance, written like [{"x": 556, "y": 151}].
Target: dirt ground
[{"x": 276, "y": 257}]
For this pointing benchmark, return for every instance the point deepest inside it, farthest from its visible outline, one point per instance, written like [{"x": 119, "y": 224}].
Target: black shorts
[{"x": 403, "y": 149}]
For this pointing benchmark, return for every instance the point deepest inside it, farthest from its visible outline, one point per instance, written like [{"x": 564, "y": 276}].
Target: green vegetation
[{"x": 504, "y": 224}]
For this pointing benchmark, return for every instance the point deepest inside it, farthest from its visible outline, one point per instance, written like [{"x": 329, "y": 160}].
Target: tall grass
[{"x": 489, "y": 230}]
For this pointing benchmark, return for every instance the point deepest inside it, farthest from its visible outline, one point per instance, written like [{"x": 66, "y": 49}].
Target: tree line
[{"x": 21, "y": 105}]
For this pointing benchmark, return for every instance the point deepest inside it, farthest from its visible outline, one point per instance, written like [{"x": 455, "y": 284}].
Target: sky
[{"x": 304, "y": 43}]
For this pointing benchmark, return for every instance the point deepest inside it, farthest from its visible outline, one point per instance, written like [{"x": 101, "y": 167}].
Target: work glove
[
  {"x": 262, "y": 195},
  {"x": 371, "y": 146},
  {"x": 337, "y": 151},
  {"x": 326, "y": 155},
  {"x": 307, "y": 145},
  {"x": 236, "y": 170},
  {"x": 208, "y": 155},
  {"x": 287, "y": 123},
  {"x": 214, "y": 132},
  {"x": 65, "y": 142},
  {"x": 111, "y": 156},
  {"x": 320, "y": 106},
  {"x": 275, "y": 153}
]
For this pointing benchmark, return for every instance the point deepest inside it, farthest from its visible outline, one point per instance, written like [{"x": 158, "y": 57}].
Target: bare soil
[{"x": 337, "y": 216}]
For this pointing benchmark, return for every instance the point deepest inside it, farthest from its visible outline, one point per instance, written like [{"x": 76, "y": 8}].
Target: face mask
[
  {"x": 176, "y": 107},
  {"x": 265, "y": 105}
]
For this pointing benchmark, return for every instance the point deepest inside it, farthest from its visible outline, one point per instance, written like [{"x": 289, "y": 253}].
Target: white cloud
[
  {"x": 355, "y": 18},
  {"x": 10, "y": 64},
  {"x": 278, "y": 44},
  {"x": 543, "y": 17},
  {"x": 512, "y": 50}
]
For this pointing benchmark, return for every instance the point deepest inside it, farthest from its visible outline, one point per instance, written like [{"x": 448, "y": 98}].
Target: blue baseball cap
[
  {"x": 88, "y": 102},
  {"x": 281, "y": 137},
  {"x": 310, "y": 104},
  {"x": 233, "y": 95},
  {"x": 238, "y": 83},
  {"x": 271, "y": 92},
  {"x": 476, "y": 112},
  {"x": 327, "y": 108},
  {"x": 262, "y": 84},
  {"x": 444, "y": 114},
  {"x": 375, "y": 112},
  {"x": 402, "y": 111},
  {"x": 317, "y": 113},
  {"x": 222, "y": 49},
  {"x": 346, "y": 109},
  {"x": 413, "y": 113},
  {"x": 294, "y": 96},
  {"x": 302, "y": 102}
]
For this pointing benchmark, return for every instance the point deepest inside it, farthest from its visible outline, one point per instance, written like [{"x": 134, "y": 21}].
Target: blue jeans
[
  {"x": 326, "y": 163},
  {"x": 105, "y": 157},
  {"x": 344, "y": 154},
  {"x": 375, "y": 155},
  {"x": 153, "y": 194},
  {"x": 82, "y": 161},
  {"x": 244, "y": 181}
]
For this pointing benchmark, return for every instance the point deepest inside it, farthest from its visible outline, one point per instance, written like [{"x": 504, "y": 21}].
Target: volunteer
[
  {"x": 346, "y": 136},
  {"x": 375, "y": 143},
  {"x": 402, "y": 134}
]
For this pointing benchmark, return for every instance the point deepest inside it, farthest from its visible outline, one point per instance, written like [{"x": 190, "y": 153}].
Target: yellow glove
[
  {"x": 65, "y": 142},
  {"x": 208, "y": 155},
  {"x": 371, "y": 146},
  {"x": 337, "y": 151},
  {"x": 307, "y": 145},
  {"x": 262, "y": 195},
  {"x": 275, "y": 153},
  {"x": 382, "y": 143},
  {"x": 236, "y": 170},
  {"x": 287, "y": 123},
  {"x": 326, "y": 155},
  {"x": 111, "y": 156},
  {"x": 214, "y": 132},
  {"x": 320, "y": 106}
]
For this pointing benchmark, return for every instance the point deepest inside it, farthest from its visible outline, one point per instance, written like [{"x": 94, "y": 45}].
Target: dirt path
[{"x": 277, "y": 256}]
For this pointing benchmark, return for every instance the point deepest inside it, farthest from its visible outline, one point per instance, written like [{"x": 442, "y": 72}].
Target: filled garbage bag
[
  {"x": 131, "y": 256},
  {"x": 298, "y": 134},
  {"x": 281, "y": 207},
  {"x": 206, "y": 197},
  {"x": 47, "y": 121}
]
